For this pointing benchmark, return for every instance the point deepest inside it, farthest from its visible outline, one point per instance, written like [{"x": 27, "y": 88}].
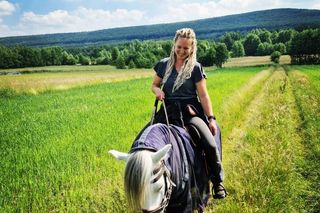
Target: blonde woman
[{"x": 183, "y": 83}]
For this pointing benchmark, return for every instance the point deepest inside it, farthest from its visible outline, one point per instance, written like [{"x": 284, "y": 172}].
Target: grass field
[
  {"x": 255, "y": 61},
  {"x": 306, "y": 82},
  {"x": 37, "y": 82},
  {"x": 67, "y": 68},
  {"x": 54, "y": 144},
  {"x": 40, "y": 79}
]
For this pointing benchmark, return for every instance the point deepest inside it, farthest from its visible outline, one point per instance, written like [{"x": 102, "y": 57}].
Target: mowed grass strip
[
  {"x": 263, "y": 168},
  {"x": 306, "y": 84},
  {"x": 226, "y": 82},
  {"x": 35, "y": 83},
  {"x": 66, "y": 68},
  {"x": 232, "y": 109},
  {"x": 54, "y": 145},
  {"x": 254, "y": 61}
]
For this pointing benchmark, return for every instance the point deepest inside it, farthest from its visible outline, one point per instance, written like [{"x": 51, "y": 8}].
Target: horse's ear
[
  {"x": 160, "y": 154},
  {"x": 119, "y": 155}
]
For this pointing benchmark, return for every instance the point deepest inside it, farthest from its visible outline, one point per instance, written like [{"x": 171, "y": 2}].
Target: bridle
[{"x": 160, "y": 171}]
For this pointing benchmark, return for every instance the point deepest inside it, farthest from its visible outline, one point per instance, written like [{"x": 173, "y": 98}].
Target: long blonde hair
[{"x": 189, "y": 62}]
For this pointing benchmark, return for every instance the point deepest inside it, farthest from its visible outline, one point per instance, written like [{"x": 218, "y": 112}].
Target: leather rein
[{"x": 161, "y": 170}]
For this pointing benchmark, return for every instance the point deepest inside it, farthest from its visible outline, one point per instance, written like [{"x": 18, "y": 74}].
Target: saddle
[{"x": 191, "y": 128}]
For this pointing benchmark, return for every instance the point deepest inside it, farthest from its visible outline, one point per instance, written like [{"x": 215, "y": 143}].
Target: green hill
[{"x": 205, "y": 28}]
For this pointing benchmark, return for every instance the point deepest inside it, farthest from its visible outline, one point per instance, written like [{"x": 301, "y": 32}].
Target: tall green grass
[
  {"x": 54, "y": 145},
  {"x": 227, "y": 81},
  {"x": 38, "y": 82},
  {"x": 263, "y": 164},
  {"x": 231, "y": 109},
  {"x": 306, "y": 81}
]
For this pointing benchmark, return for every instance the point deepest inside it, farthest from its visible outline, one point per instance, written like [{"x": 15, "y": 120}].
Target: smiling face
[{"x": 183, "y": 48}]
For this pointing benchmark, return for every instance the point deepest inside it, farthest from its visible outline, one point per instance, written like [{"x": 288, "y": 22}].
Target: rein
[
  {"x": 165, "y": 172},
  {"x": 155, "y": 111},
  {"x": 162, "y": 170}
]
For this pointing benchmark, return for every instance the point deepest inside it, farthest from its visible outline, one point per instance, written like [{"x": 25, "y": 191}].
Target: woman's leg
[{"x": 212, "y": 147}]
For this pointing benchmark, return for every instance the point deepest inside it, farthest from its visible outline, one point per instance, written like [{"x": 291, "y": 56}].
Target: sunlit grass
[
  {"x": 255, "y": 61},
  {"x": 263, "y": 163},
  {"x": 306, "y": 81},
  {"x": 68, "y": 68},
  {"x": 39, "y": 82},
  {"x": 54, "y": 145}
]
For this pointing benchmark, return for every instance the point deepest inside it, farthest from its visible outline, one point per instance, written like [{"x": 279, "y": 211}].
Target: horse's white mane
[
  {"x": 138, "y": 174},
  {"x": 137, "y": 177}
]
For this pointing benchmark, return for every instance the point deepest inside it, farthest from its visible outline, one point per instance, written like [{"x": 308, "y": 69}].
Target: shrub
[{"x": 275, "y": 57}]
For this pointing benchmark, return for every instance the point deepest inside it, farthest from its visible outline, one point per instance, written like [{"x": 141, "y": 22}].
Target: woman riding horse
[{"x": 183, "y": 83}]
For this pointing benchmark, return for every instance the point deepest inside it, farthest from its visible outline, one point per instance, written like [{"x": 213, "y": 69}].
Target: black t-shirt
[{"x": 188, "y": 88}]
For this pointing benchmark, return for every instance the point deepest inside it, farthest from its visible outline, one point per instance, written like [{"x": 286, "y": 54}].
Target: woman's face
[{"x": 183, "y": 48}]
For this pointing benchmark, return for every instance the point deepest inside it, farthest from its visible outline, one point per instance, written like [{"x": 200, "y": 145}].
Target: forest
[{"x": 300, "y": 45}]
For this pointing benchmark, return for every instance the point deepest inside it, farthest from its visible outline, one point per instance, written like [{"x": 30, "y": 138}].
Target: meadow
[
  {"x": 39, "y": 79},
  {"x": 54, "y": 142}
]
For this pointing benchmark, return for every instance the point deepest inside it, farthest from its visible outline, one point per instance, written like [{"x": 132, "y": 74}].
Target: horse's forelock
[{"x": 137, "y": 177}]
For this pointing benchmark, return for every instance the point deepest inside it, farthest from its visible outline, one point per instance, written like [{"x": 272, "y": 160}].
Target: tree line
[{"x": 301, "y": 46}]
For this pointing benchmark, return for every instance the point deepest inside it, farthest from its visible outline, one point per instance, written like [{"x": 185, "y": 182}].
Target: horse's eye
[{"x": 157, "y": 186}]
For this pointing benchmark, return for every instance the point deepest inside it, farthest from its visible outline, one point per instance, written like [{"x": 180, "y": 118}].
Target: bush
[{"x": 275, "y": 57}]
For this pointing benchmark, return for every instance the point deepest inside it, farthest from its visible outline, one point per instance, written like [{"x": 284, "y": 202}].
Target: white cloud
[
  {"x": 88, "y": 19},
  {"x": 316, "y": 6},
  {"x": 4, "y": 28},
  {"x": 93, "y": 19},
  {"x": 198, "y": 10},
  {"x": 241, "y": 6},
  {"x": 55, "y": 18},
  {"x": 6, "y": 8},
  {"x": 8, "y": 31},
  {"x": 81, "y": 19}
]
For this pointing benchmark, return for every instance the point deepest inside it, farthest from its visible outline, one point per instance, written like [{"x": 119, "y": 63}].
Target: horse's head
[{"x": 147, "y": 182}]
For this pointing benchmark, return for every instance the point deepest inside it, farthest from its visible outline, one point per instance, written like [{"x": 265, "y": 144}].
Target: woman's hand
[
  {"x": 159, "y": 94},
  {"x": 155, "y": 87},
  {"x": 213, "y": 126}
]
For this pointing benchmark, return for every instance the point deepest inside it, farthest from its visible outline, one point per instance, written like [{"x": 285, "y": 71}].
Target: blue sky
[{"x": 28, "y": 17}]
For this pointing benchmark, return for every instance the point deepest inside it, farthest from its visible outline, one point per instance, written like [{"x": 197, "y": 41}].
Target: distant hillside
[{"x": 205, "y": 28}]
